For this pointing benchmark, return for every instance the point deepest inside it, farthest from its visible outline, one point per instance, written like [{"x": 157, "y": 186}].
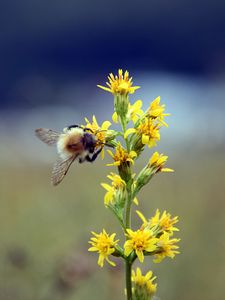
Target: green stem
[
  {"x": 128, "y": 262},
  {"x": 127, "y": 220},
  {"x": 128, "y": 280},
  {"x": 124, "y": 127},
  {"x": 128, "y": 209}
]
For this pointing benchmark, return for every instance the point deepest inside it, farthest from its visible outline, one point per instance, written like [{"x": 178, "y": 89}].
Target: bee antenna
[{"x": 106, "y": 144}]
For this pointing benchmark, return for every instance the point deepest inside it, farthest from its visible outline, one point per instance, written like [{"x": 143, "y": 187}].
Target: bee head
[{"x": 89, "y": 142}]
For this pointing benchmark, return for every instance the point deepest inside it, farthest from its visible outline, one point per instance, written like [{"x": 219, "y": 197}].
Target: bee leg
[
  {"x": 94, "y": 156},
  {"x": 81, "y": 160},
  {"x": 110, "y": 146}
]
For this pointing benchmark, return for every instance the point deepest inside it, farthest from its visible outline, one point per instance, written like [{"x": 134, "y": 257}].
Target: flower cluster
[
  {"x": 139, "y": 129},
  {"x": 159, "y": 223},
  {"x": 146, "y": 130},
  {"x": 154, "y": 237}
]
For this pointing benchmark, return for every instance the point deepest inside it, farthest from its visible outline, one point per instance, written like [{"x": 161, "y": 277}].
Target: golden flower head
[
  {"x": 100, "y": 132},
  {"x": 115, "y": 190},
  {"x": 104, "y": 244},
  {"x": 122, "y": 156},
  {"x": 156, "y": 111},
  {"x": 166, "y": 247},
  {"x": 157, "y": 161},
  {"x": 119, "y": 84},
  {"x": 140, "y": 241},
  {"x": 163, "y": 223},
  {"x": 143, "y": 284},
  {"x": 117, "y": 181},
  {"x": 135, "y": 111},
  {"x": 149, "y": 132}
]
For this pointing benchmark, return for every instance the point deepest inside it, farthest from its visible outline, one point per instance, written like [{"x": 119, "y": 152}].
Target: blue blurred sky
[{"x": 57, "y": 51}]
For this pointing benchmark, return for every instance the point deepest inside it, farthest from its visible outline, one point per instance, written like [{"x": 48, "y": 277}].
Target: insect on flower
[{"x": 75, "y": 142}]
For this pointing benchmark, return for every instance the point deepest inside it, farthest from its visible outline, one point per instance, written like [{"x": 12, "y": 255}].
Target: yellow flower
[
  {"x": 157, "y": 162},
  {"x": 166, "y": 247},
  {"x": 165, "y": 222},
  {"x": 119, "y": 84},
  {"x": 140, "y": 241},
  {"x": 135, "y": 111},
  {"x": 104, "y": 245},
  {"x": 144, "y": 283},
  {"x": 156, "y": 111},
  {"x": 117, "y": 181},
  {"x": 98, "y": 131},
  {"x": 117, "y": 187},
  {"x": 122, "y": 156},
  {"x": 145, "y": 132},
  {"x": 149, "y": 132}
]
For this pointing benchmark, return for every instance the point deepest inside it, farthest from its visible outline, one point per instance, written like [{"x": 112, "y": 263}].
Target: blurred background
[{"x": 52, "y": 56}]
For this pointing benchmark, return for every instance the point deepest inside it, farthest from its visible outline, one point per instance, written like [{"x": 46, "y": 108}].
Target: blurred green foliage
[{"x": 44, "y": 230}]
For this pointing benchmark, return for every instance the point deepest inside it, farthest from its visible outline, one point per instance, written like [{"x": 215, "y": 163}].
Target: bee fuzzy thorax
[{"x": 69, "y": 142}]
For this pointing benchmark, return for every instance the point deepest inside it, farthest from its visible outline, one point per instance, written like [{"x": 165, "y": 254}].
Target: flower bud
[
  {"x": 144, "y": 288},
  {"x": 143, "y": 178},
  {"x": 121, "y": 103}
]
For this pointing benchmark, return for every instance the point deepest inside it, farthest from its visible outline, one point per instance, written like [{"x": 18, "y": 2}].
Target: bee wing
[
  {"x": 47, "y": 136},
  {"x": 60, "y": 168}
]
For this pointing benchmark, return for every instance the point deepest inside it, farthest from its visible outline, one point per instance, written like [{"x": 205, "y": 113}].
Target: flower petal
[
  {"x": 110, "y": 262},
  {"x": 107, "y": 187},
  {"x": 106, "y": 125},
  {"x": 140, "y": 255},
  {"x": 102, "y": 154},
  {"x": 133, "y": 154},
  {"x": 137, "y": 104},
  {"x": 167, "y": 170},
  {"x": 145, "y": 139},
  {"x": 110, "y": 153},
  {"x": 95, "y": 120},
  {"x": 135, "y": 200},
  {"x": 128, "y": 132},
  {"x": 141, "y": 216},
  {"x": 104, "y": 88},
  {"x": 115, "y": 117}
]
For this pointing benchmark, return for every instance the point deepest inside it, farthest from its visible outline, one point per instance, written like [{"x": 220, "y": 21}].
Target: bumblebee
[{"x": 74, "y": 143}]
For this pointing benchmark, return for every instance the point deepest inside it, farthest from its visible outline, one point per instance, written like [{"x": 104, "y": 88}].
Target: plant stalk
[
  {"x": 127, "y": 220},
  {"x": 128, "y": 280},
  {"x": 128, "y": 262},
  {"x": 128, "y": 211}
]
